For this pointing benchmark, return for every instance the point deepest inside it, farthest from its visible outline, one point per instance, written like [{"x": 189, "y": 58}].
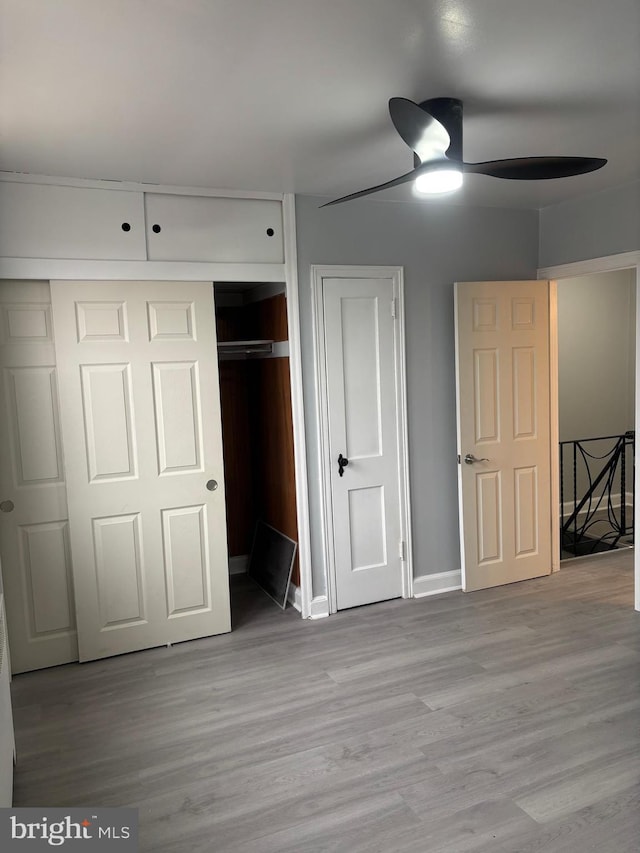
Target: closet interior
[{"x": 257, "y": 425}]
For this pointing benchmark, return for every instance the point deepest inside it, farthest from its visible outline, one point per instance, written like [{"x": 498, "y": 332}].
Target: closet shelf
[{"x": 227, "y": 348}]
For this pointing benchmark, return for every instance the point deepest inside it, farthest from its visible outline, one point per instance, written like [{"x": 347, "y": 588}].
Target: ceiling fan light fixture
[
  {"x": 433, "y": 131},
  {"x": 439, "y": 181}
]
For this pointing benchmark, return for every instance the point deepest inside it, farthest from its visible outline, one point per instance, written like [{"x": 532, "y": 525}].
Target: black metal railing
[{"x": 595, "y": 474}]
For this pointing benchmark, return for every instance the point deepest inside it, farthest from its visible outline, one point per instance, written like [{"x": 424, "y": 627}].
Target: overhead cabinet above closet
[
  {"x": 229, "y": 230},
  {"x": 45, "y": 221},
  {"x": 48, "y": 221}
]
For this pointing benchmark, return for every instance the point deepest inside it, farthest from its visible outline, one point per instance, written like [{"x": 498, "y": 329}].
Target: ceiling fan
[{"x": 433, "y": 130}]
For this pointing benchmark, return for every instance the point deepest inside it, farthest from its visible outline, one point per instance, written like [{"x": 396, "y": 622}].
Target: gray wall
[
  {"x": 592, "y": 227},
  {"x": 596, "y": 354},
  {"x": 437, "y": 244}
]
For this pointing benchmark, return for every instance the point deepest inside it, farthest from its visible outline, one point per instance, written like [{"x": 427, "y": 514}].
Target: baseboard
[
  {"x": 436, "y": 584},
  {"x": 294, "y": 597},
  {"x": 569, "y": 506},
  {"x": 238, "y": 565},
  {"x": 319, "y": 607}
]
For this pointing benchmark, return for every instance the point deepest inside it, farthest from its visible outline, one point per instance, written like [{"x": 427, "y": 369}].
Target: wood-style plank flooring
[{"x": 506, "y": 720}]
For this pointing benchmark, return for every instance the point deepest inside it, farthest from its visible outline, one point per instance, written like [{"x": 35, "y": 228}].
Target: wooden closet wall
[{"x": 257, "y": 427}]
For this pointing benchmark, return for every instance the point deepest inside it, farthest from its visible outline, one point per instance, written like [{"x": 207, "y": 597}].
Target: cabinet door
[
  {"x": 226, "y": 230},
  {"x": 45, "y": 221}
]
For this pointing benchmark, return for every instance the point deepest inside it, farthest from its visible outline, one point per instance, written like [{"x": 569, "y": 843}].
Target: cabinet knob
[
  {"x": 126, "y": 226},
  {"x": 156, "y": 228}
]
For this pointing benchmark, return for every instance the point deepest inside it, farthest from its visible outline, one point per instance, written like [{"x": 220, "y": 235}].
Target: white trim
[
  {"x": 319, "y": 607},
  {"x": 322, "y": 410},
  {"x": 318, "y": 273},
  {"x": 554, "y": 423},
  {"x": 425, "y": 585},
  {"x": 456, "y": 350},
  {"x": 132, "y": 186},
  {"x": 238, "y": 565},
  {"x": 297, "y": 404},
  {"x": 294, "y": 597},
  {"x": 403, "y": 436},
  {"x": 609, "y": 263},
  {"x": 90, "y": 270},
  {"x": 636, "y": 485},
  {"x": 621, "y": 261}
]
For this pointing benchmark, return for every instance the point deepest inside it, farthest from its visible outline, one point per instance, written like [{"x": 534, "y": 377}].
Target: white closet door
[
  {"x": 34, "y": 534},
  {"x": 142, "y": 443}
]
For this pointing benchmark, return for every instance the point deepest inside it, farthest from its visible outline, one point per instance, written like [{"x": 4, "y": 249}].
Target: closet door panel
[
  {"x": 34, "y": 535},
  {"x": 142, "y": 439}
]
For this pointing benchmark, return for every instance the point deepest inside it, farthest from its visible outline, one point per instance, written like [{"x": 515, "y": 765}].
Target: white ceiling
[{"x": 291, "y": 95}]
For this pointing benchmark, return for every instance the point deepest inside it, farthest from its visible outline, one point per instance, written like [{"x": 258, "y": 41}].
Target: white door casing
[
  {"x": 34, "y": 535},
  {"x": 503, "y": 391},
  {"x": 360, "y": 372},
  {"x": 141, "y": 430}
]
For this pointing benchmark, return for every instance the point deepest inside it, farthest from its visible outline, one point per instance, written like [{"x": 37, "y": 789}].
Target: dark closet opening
[{"x": 257, "y": 425}]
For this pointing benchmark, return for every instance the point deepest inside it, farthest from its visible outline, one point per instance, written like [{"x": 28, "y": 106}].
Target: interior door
[
  {"x": 34, "y": 530},
  {"x": 140, "y": 414},
  {"x": 502, "y": 372},
  {"x": 361, "y": 387}
]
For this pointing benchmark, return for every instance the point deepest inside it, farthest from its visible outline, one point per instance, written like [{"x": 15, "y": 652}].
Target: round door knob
[
  {"x": 6, "y": 506},
  {"x": 212, "y": 485}
]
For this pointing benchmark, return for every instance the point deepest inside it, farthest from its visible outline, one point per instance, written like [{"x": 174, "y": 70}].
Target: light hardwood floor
[{"x": 504, "y": 721}]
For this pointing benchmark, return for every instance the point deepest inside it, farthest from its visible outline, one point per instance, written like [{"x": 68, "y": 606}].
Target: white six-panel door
[
  {"x": 34, "y": 530},
  {"x": 361, "y": 391},
  {"x": 142, "y": 442},
  {"x": 502, "y": 365}
]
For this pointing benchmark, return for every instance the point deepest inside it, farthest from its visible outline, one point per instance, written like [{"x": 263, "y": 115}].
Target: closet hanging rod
[{"x": 261, "y": 347}]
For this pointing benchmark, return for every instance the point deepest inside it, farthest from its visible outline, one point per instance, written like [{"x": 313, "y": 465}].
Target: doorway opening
[
  {"x": 257, "y": 429},
  {"x": 596, "y": 332}
]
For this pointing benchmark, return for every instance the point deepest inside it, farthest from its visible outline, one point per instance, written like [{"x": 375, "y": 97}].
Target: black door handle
[{"x": 342, "y": 463}]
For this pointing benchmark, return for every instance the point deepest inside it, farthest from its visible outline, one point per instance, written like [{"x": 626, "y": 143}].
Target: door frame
[
  {"x": 318, "y": 274},
  {"x": 609, "y": 263}
]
